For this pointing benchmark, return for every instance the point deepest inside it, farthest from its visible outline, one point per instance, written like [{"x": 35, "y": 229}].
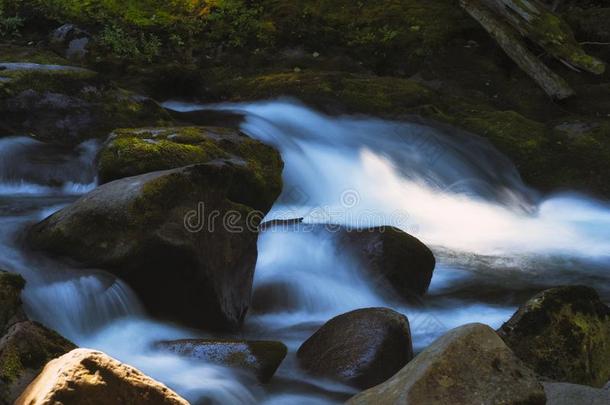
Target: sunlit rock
[{"x": 87, "y": 376}]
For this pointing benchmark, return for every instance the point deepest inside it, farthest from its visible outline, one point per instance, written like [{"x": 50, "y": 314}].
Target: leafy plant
[
  {"x": 10, "y": 25},
  {"x": 124, "y": 45}
]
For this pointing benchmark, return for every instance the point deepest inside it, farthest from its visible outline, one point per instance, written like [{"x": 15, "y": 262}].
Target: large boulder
[
  {"x": 85, "y": 376},
  {"x": 563, "y": 334},
  {"x": 468, "y": 365},
  {"x": 262, "y": 358},
  {"x": 129, "y": 152},
  {"x": 184, "y": 239},
  {"x": 10, "y": 300},
  {"x": 24, "y": 350},
  {"x": 362, "y": 348},
  {"x": 573, "y": 394}
]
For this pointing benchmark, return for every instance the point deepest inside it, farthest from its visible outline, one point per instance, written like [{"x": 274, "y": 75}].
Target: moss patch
[
  {"x": 131, "y": 152},
  {"x": 563, "y": 334}
]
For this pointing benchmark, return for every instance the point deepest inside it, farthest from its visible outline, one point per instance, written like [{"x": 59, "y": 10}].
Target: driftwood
[{"x": 509, "y": 22}]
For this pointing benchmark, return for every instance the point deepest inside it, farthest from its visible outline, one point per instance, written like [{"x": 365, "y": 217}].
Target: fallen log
[
  {"x": 538, "y": 23},
  {"x": 514, "y": 46}
]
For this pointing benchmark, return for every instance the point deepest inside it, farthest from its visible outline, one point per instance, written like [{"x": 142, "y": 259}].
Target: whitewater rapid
[{"x": 497, "y": 242}]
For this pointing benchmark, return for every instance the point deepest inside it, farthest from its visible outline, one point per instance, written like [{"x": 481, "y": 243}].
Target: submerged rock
[
  {"x": 24, "y": 350},
  {"x": 468, "y": 365},
  {"x": 130, "y": 152},
  {"x": 91, "y": 377},
  {"x": 262, "y": 358},
  {"x": 183, "y": 239},
  {"x": 563, "y": 334},
  {"x": 573, "y": 394},
  {"x": 361, "y": 348}
]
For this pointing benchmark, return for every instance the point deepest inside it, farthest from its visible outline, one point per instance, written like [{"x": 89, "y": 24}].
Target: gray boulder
[
  {"x": 573, "y": 394},
  {"x": 468, "y": 365}
]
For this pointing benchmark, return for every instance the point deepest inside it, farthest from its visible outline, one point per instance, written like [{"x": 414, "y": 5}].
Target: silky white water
[{"x": 496, "y": 241}]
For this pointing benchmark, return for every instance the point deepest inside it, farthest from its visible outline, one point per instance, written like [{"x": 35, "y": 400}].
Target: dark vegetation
[{"x": 390, "y": 58}]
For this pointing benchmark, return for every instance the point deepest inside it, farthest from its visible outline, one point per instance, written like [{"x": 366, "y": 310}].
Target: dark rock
[
  {"x": 563, "y": 334},
  {"x": 24, "y": 351},
  {"x": 394, "y": 258},
  {"x": 71, "y": 41},
  {"x": 573, "y": 394},
  {"x": 66, "y": 104},
  {"x": 468, "y": 365},
  {"x": 10, "y": 300},
  {"x": 362, "y": 348},
  {"x": 396, "y": 262},
  {"x": 184, "y": 239},
  {"x": 262, "y": 358}
]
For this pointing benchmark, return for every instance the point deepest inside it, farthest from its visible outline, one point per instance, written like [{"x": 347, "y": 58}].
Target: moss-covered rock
[
  {"x": 262, "y": 358},
  {"x": 24, "y": 351},
  {"x": 563, "y": 334},
  {"x": 184, "y": 239},
  {"x": 362, "y": 348},
  {"x": 131, "y": 152},
  {"x": 66, "y": 104},
  {"x": 10, "y": 299}
]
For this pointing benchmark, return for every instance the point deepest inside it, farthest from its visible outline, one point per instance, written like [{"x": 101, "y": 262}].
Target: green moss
[
  {"x": 354, "y": 92},
  {"x": 131, "y": 152},
  {"x": 14, "y": 53},
  {"x": 563, "y": 334}
]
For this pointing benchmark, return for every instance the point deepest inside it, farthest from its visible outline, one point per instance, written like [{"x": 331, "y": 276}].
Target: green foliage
[
  {"x": 236, "y": 24},
  {"x": 9, "y": 25},
  {"x": 144, "y": 47}
]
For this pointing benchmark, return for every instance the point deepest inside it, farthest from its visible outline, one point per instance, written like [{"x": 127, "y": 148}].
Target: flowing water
[{"x": 497, "y": 242}]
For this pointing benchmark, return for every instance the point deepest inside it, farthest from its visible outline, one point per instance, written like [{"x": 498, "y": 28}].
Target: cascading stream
[{"x": 358, "y": 171}]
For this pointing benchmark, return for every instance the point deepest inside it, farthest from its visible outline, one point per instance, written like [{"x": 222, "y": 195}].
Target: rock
[
  {"x": 572, "y": 394},
  {"x": 468, "y": 365},
  {"x": 71, "y": 41},
  {"x": 262, "y": 358},
  {"x": 396, "y": 262},
  {"x": 91, "y": 377},
  {"x": 10, "y": 300},
  {"x": 24, "y": 350},
  {"x": 394, "y": 258},
  {"x": 361, "y": 348},
  {"x": 65, "y": 104},
  {"x": 129, "y": 152},
  {"x": 563, "y": 334},
  {"x": 183, "y": 239}
]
